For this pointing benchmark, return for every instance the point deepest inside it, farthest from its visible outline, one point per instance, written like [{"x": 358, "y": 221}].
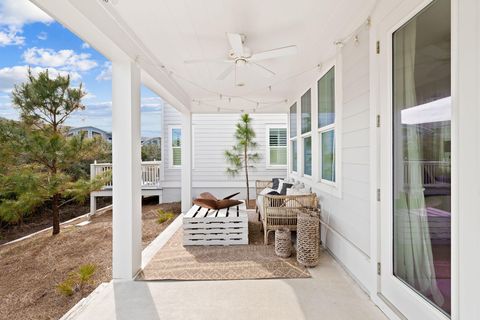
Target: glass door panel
[{"x": 421, "y": 154}]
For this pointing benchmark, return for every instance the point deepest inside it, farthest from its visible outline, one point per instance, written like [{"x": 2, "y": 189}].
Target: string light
[{"x": 339, "y": 43}]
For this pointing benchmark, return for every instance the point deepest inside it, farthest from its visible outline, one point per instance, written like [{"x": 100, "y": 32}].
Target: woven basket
[
  {"x": 283, "y": 242},
  {"x": 308, "y": 237}
]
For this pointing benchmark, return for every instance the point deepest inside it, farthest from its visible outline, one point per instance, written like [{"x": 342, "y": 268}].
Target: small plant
[
  {"x": 66, "y": 287},
  {"x": 77, "y": 280},
  {"x": 163, "y": 216}
]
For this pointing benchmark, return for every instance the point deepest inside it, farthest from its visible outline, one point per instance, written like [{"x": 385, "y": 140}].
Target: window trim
[
  {"x": 320, "y": 164},
  {"x": 327, "y": 128},
  {"x": 303, "y": 137},
  {"x": 170, "y": 146},
  {"x": 267, "y": 146},
  {"x": 290, "y": 151},
  {"x": 309, "y": 91}
]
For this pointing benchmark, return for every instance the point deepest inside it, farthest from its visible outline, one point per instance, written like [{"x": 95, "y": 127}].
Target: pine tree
[
  {"x": 241, "y": 156},
  {"x": 43, "y": 153}
]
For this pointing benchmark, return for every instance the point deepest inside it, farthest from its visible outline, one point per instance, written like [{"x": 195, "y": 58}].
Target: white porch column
[
  {"x": 126, "y": 160},
  {"x": 186, "y": 161}
]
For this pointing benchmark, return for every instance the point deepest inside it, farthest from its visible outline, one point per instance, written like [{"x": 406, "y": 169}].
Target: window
[
  {"x": 326, "y": 125},
  {"x": 293, "y": 120},
  {"x": 277, "y": 147},
  {"x": 294, "y": 155},
  {"x": 328, "y": 155},
  {"x": 307, "y": 156},
  {"x": 176, "y": 143},
  {"x": 306, "y": 112}
]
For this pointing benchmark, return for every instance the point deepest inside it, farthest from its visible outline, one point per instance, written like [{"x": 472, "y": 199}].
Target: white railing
[
  {"x": 432, "y": 172},
  {"x": 151, "y": 173}
]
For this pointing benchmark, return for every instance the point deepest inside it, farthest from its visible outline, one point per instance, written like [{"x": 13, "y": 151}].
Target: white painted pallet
[{"x": 208, "y": 227}]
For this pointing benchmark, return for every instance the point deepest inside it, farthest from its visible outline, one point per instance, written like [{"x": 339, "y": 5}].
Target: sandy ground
[{"x": 31, "y": 269}]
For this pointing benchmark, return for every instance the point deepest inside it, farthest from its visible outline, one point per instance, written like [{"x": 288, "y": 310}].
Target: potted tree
[{"x": 242, "y": 156}]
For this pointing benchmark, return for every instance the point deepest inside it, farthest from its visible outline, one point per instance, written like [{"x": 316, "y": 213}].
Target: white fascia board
[{"x": 97, "y": 24}]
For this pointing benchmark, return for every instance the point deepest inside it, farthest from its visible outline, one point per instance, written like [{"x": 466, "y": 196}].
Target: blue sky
[{"x": 28, "y": 37}]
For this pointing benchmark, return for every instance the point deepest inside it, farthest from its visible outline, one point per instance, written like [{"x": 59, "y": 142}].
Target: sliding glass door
[{"x": 419, "y": 205}]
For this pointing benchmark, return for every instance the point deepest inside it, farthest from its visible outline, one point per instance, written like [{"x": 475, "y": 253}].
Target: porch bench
[{"x": 227, "y": 226}]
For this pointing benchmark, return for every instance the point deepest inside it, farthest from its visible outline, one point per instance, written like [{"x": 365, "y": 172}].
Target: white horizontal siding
[
  {"x": 348, "y": 213},
  {"x": 212, "y": 135}
]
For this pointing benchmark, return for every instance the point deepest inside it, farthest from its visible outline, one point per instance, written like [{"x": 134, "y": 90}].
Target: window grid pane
[
  {"x": 306, "y": 103},
  {"x": 177, "y": 156},
  {"x": 278, "y": 137},
  {"x": 294, "y": 155},
  {"x": 307, "y": 156},
  {"x": 278, "y": 156},
  {"x": 293, "y": 120},
  {"x": 326, "y": 99},
  {"x": 328, "y": 155},
  {"x": 176, "y": 146}
]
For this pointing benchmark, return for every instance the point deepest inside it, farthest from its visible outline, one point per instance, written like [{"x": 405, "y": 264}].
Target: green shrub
[
  {"x": 163, "y": 216},
  {"x": 77, "y": 280},
  {"x": 66, "y": 287}
]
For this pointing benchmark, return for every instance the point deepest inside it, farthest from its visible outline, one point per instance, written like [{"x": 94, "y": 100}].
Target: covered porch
[{"x": 333, "y": 79}]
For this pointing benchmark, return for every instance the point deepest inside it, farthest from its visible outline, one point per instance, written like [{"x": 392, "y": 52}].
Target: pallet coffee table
[{"x": 229, "y": 226}]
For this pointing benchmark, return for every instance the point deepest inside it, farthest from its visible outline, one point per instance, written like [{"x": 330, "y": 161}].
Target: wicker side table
[
  {"x": 283, "y": 242},
  {"x": 308, "y": 237}
]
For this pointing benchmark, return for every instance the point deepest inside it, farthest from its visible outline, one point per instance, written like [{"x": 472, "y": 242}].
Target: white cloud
[
  {"x": 10, "y": 76},
  {"x": 63, "y": 59},
  {"x": 20, "y": 12},
  {"x": 10, "y": 36},
  {"x": 106, "y": 73},
  {"x": 42, "y": 35},
  {"x": 85, "y": 45}
]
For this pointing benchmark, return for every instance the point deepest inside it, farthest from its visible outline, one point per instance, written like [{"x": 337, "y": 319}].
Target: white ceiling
[
  {"x": 172, "y": 31},
  {"x": 175, "y": 31}
]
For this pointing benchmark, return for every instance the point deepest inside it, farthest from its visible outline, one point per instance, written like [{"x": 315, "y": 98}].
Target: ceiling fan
[{"x": 240, "y": 56}]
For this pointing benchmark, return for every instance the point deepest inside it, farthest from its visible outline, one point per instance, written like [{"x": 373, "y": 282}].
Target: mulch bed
[
  {"x": 43, "y": 219},
  {"x": 31, "y": 269}
]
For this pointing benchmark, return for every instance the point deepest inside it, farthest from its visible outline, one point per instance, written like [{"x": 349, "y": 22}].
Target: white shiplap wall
[
  {"x": 347, "y": 208},
  {"x": 212, "y": 135}
]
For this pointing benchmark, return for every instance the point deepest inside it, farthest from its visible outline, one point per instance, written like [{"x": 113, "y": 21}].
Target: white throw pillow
[
  {"x": 265, "y": 191},
  {"x": 280, "y": 185}
]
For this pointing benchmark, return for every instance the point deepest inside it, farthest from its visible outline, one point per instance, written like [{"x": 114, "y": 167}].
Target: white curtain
[{"x": 413, "y": 251}]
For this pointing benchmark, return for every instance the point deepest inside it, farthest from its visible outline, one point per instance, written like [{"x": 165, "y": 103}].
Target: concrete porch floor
[{"x": 329, "y": 294}]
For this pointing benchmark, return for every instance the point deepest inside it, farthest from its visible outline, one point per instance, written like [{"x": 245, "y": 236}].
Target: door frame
[{"x": 381, "y": 95}]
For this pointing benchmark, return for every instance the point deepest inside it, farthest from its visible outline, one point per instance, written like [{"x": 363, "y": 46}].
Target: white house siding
[
  {"x": 212, "y": 135},
  {"x": 347, "y": 209}
]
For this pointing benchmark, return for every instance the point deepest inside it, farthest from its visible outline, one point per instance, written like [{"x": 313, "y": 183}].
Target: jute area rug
[{"x": 253, "y": 261}]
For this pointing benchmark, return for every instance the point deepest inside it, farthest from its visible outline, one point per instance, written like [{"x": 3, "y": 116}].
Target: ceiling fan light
[{"x": 241, "y": 62}]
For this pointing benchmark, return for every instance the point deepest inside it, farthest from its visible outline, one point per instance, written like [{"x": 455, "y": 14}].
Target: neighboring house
[
  {"x": 91, "y": 132},
  {"x": 212, "y": 134},
  {"x": 152, "y": 141}
]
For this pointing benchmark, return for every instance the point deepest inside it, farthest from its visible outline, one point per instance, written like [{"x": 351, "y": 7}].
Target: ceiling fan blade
[
  {"x": 226, "y": 72},
  {"x": 274, "y": 53},
  {"x": 235, "y": 40},
  {"x": 220, "y": 60},
  {"x": 261, "y": 69}
]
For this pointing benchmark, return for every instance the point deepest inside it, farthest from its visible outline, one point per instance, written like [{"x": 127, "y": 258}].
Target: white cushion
[
  {"x": 298, "y": 192},
  {"x": 298, "y": 185}
]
